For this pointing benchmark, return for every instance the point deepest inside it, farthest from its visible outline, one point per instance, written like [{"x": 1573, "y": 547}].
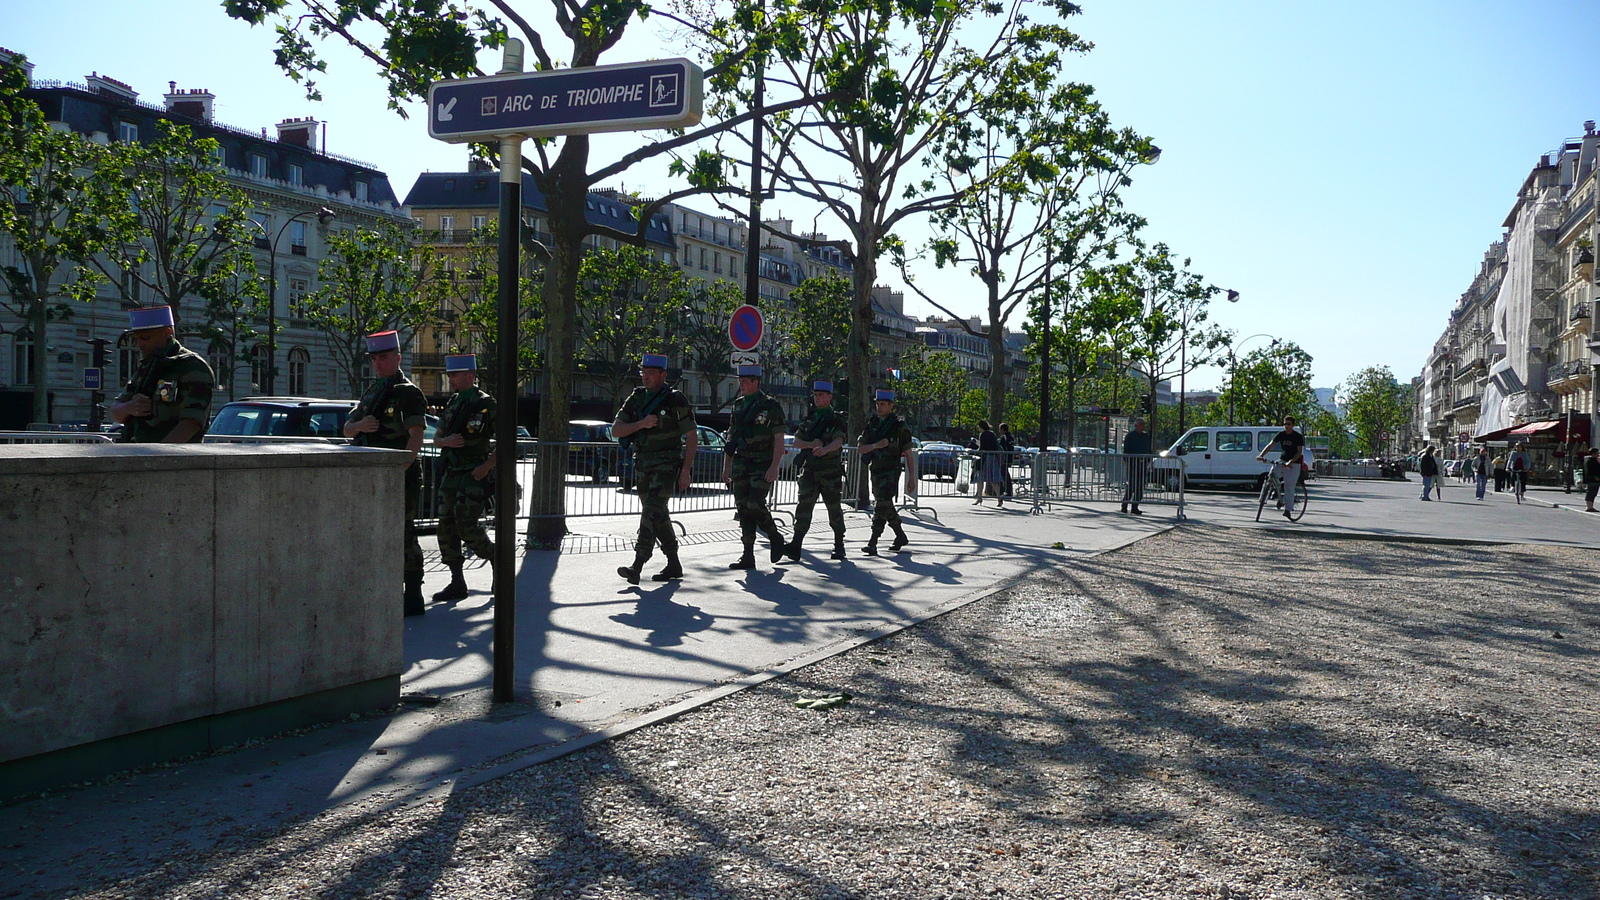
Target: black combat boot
[
  {"x": 456, "y": 589},
  {"x": 838, "y": 546},
  {"x": 748, "y": 560},
  {"x": 793, "y": 550},
  {"x": 872, "y": 543},
  {"x": 776, "y": 545},
  {"x": 631, "y": 573},
  {"x": 413, "y": 596},
  {"x": 673, "y": 571},
  {"x": 900, "y": 540}
]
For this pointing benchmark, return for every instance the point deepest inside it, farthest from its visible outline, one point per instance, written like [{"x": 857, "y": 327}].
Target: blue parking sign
[{"x": 92, "y": 379}]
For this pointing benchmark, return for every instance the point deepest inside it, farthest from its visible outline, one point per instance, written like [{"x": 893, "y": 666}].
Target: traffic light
[
  {"x": 1146, "y": 406},
  {"x": 102, "y": 352}
]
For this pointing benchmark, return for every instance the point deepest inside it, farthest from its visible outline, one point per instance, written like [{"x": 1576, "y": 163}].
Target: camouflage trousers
[
  {"x": 828, "y": 486},
  {"x": 750, "y": 489},
  {"x": 885, "y": 490},
  {"x": 461, "y": 501},
  {"x": 413, "y": 547},
  {"x": 655, "y": 481}
]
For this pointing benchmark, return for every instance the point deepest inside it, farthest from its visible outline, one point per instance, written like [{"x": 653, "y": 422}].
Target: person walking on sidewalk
[
  {"x": 1428, "y": 467},
  {"x": 658, "y": 423},
  {"x": 1480, "y": 470},
  {"x": 465, "y": 440},
  {"x": 989, "y": 465},
  {"x": 821, "y": 463},
  {"x": 1135, "y": 452},
  {"x": 886, "y": 445},
  {"x": 393, "y": 414},
  {"x": 1591, "y": 478},
  {"x": 754, "y": 447},
  {"x": 1008, "y": 455},
  {"x": 1499, "y": 473}
]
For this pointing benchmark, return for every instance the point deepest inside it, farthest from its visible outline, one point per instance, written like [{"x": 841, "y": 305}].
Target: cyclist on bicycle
[
  {"x": 1291, "y": 446},
  {"x": 1518, "y": 463}
]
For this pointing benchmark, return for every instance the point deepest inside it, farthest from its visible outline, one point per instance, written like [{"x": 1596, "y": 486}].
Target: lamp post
[
  {"x": 324, "y": 215},
  {"x": 1233, "y": 367}
]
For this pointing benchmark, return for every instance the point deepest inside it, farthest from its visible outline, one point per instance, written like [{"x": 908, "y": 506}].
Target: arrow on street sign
[{"x": 666, "y": 93}]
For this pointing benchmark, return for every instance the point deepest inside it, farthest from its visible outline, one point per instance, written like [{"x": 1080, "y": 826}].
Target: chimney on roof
[
  {"x": 195, "y": 103},
  {"x": 1588, "y": 128},
  {"x": 111, "y": 87},
  {"x": 7, "y": 56},
  {"x": 299, "y": 132}
]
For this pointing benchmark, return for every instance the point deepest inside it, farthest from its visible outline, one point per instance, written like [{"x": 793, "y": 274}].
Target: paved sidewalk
[{"x": 592, "y": 652}]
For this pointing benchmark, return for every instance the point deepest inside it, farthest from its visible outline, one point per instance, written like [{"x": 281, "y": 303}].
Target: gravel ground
[{"x": 1210, "y": 713}]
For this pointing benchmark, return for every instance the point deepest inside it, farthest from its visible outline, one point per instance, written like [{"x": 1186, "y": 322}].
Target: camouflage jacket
[
  {"x": 674, "y": 419},
  {"x": 179, "y": 384},
  {"x": 399, "y": 406},
  {"x": 471, "y": 414},
  {"x": 889, "y": 458},
  {"x": 756, "y": 421},
  {"x": 824, "y": 426}
]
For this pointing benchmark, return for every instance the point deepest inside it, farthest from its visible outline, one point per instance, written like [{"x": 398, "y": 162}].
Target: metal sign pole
[{"x": 505, "y": 362}]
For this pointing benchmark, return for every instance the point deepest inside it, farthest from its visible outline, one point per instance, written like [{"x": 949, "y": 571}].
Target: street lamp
[
  {"x": 1233, "y": 366},
  {"x": 324, "y": 215}
]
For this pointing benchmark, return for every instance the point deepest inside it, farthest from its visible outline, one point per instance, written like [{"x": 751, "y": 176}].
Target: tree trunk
[
  {"x": 860, "y": 349},
  {"x": 40, "y": 326},
  {"x": 565, "y": 190},
  {"x": 999, "y": 360}
]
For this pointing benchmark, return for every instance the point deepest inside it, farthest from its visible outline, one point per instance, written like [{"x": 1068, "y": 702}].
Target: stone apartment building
[
  {"x": 1516, "y": 358},
  {"x": 288, "y": 178}
]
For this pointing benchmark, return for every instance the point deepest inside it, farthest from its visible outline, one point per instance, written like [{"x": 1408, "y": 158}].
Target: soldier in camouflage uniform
[
  {"x": 393, "y": 414},
  {"x": 465, "y": 439},
  {"x": 754, "y": 446},
  {"x": 658, "y": 422},
  {"x": 822, "y": 469},
  {"x": 886, "y": 445},
  {"x": 169, "y": 398}
]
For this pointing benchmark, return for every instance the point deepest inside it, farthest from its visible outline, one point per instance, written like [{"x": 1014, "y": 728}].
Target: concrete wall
[{"x": 146, "y": 586}]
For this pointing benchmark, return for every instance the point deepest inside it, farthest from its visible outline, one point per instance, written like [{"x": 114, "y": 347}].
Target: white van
[{"x": 1220, "y": 454}]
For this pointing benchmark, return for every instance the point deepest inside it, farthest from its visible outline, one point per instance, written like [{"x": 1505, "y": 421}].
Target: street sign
[
  {"x": 742, "y": 358},
  {"x": 1383, "y": 436},
  {"x": 666, "y": 93},
  {"x": 1463, "y": 437},
  {"x": 92, "y": 379},
  {"x": 745, "y": 327}
]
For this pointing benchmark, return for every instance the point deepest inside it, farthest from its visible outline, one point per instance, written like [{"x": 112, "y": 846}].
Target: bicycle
[{"x": 1272, "y": 489}]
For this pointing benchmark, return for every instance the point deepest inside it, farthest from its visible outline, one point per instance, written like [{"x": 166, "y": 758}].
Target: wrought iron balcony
[{"x": 1580, "y": 312}]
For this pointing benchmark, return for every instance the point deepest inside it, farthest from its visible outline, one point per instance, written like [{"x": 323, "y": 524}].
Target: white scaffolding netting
[{"x": 1505, "y": 396}]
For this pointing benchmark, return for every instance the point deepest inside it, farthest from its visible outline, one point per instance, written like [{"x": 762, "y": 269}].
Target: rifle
[
  {"x": 736, "y": 428},
  {"x": 365, "y": 410},
  {"x": 649, "y": 407}
]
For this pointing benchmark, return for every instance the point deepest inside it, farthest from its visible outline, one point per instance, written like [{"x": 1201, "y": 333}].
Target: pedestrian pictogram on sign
[{"x": 745, "y": 327}]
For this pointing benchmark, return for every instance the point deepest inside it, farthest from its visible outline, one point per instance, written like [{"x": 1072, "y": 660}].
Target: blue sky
[{"x": 1342, "y": 166}]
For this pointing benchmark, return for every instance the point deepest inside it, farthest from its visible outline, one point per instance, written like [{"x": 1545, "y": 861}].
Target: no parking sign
[{"x": 745, "y": 327}]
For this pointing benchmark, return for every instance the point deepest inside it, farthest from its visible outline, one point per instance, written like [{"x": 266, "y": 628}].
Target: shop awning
[{"x": 1552, "y": 430}]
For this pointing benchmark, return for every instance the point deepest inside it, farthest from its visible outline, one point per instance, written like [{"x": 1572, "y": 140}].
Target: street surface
[{"x": 593, "y": 652}]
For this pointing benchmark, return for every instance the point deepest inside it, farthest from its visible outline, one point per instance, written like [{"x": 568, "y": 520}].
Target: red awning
[
  {"x": 1552, "y": 430},
  {"x": 1533, "y": 428}
]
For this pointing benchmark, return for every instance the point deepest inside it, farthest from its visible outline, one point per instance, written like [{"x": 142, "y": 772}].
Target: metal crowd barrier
[{"x": 53, "y": 437}]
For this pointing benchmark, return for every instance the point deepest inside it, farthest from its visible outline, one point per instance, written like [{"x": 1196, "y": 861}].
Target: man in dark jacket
[{"x": 1136, "y": 453}]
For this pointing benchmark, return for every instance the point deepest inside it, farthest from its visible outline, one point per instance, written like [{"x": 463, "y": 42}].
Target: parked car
[
  {"x": 707, "y": 465},
  {"x": 937, "y": 459},
  {"x": 308, "y": 417},
  {"x": 594, "y": 453}
]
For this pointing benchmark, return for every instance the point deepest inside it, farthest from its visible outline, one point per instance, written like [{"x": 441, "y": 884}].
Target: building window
[
  {"x": 258, "y": 368},
  {"x": 361, "y": 190},
  {"x": 128, "y": 132},
  {"x": 299, "y": 289},
  {"x": 258, "y": 166},
  {"x": 299, "y": 365},
  {"x": 22, "y": 358},
  {"x": 703, "y": 258},
  {"x": 131, "y": 284},
  {"x": 297, "y": 175},
  {"x": 297, "y": 237},
  {"x": 716, "y": 263},
  {"x": 447, "y": 227},
  {"x": 221, "y": 156},
  {"x": 479, "y": 223}
]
